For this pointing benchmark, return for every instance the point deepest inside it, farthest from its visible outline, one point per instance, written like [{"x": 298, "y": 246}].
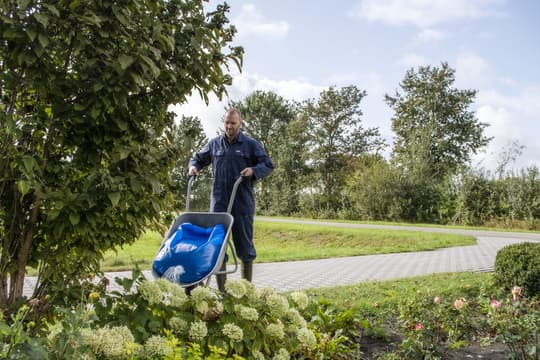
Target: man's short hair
[{"x": 231, "y": 111}]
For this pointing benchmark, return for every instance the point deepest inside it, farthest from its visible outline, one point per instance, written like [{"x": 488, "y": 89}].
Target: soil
[{"x": 372, "y": 349}]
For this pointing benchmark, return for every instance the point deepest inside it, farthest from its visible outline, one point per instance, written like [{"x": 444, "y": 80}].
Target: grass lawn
[
  {"x": 377, "y": 297},
  {"x": 517, "y": 227},
  {"x": 286, "y": 242}
]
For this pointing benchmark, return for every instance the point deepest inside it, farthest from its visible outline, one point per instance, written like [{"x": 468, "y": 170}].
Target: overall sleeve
[
  {"x": 263, "y": 164},
  {"x": 202, "y": 158}
]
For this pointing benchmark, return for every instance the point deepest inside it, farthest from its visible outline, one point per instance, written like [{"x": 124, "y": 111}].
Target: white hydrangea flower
[
  {"x": 275, "y": 331},
  {"x": 157, "y": 347},
  {"x": 173, "y": 294},
  {"x": 233, "y": 332},
  {"x": 202, "y": 307},
  {"x": 306, "y": 338},
  {"x": 236, "y": 288},
  {"x": 282, "y": 354},
  {"x": 109, "y": 342},
  {"x": 151, "y": 292},
  {"x": 295, "y": 319},
  {"x": 257, "y": 355},
  {"x": 202, "y": 293},
  {"x": 277, "y": 304},
  {"x": 198, "y": 330},
  {"x": 267, "y": 291},
  {"x": 178, "y": 325},
  {"x": 300, "y": 299},
  {"x": 246, "y": 312},
  {"x": 218, "y": 307}
]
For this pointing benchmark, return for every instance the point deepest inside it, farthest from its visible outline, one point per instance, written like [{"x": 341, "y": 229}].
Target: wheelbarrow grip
[{"x": 189, "y": 187}]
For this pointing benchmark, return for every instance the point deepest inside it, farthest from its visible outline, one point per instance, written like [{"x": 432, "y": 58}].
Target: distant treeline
[{"x": 329, "y": 166}]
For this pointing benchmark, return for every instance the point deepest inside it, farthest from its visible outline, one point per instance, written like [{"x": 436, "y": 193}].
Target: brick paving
[{"x": 298, "y": 275}]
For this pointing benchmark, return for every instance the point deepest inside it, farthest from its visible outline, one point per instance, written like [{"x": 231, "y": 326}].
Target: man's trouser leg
[
  {"x": 221, "y": 278},
  {"x": 243, "y": 243}
]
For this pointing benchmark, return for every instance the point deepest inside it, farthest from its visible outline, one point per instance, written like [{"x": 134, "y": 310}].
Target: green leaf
[
  {"x": 42, "y": 19},
  {"x": 31, "y": 34},
  {"x": 125, "y": 61},
  {"x": 74, "y": 218},
  {"x": 24, "y": 186},
  {"x": 52, "y": 9},
  {"x": 43, "y": 40},
  {"x": 114, "y": 198},
  {"x": 28, "y": 163}
]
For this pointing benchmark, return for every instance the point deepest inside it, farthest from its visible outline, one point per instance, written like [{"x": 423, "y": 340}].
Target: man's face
[{"x": 233, "y": 124}]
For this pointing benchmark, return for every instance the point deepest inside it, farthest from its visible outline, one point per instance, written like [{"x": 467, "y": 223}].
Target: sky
[{"x": 299, "y": 48}]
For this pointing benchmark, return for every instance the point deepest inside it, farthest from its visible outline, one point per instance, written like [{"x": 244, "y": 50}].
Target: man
[{"x": 235, "y": 154}]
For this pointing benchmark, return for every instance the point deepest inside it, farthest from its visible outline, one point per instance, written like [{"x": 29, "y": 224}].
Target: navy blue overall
[{"x": 228, "y": 160}]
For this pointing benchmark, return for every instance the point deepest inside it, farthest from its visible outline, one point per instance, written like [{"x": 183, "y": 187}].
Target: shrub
[{"x": 519, "y": 265}]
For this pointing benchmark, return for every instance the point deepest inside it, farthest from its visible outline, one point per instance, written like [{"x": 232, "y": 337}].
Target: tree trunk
[{"x": 17, "y": 279}]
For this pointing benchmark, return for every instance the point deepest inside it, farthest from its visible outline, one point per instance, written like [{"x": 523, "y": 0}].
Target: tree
[
  {"x": 84, "y": 147},
  {"x": 336, "y": 139},
  {"x": 188, "y": 135},
  {"x": 266, "y": 118},
  {"x": 436, "y": 132}
]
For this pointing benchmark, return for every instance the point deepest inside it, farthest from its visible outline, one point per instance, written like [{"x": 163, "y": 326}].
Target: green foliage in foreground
[
  {"x": 285, "y": 242},
  {"x": 428, "y": 317},
  {"x": 436, "y": 315},
  {"x": 157, "y": 320},
  {"x": 519, "y": 264}
]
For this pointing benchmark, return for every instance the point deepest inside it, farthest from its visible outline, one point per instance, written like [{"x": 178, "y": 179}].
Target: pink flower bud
[
  {"x": 458, "y": 304},
  {"x": 495, "y": 304},
  {"x": 437, "y": 300},
  {"x": 516, "y": 292},
  {"x": 418, "y": 327}
]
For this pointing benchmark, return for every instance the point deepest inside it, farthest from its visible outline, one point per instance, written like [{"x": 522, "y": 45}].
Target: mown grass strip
[{"x": 287, "y": 242}]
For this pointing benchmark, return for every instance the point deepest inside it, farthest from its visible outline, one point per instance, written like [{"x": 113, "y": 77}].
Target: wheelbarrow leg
[{"x": 221, "y": 278}]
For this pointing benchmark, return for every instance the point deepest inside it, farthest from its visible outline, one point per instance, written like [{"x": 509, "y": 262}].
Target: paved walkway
[{"x": 307, "y": 274}]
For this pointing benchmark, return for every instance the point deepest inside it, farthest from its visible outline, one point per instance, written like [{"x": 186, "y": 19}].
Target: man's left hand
[{"x": 247, "y": 172}]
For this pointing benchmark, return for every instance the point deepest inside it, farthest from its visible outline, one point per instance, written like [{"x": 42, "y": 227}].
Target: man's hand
[
  {"x": 193, "y": 171},
  {"x": 247, "y": 172}
]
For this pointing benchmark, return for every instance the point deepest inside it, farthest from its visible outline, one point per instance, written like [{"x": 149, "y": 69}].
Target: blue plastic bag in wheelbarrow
[{"x": 190, "y": 253}]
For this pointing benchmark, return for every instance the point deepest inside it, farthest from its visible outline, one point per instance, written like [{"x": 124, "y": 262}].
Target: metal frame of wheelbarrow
[{"x": 209, "y": 219}]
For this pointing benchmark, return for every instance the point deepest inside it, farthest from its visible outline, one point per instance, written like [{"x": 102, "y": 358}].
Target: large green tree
[
  {"x": 336, "y": 140},
  {"x": 436, "y": 130},
  {"x": 84, "y": 141},
  {"x": 189, "y": 134}
]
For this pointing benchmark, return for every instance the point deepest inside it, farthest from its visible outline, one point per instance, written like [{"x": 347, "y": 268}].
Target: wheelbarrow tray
[{"x": 211, "y": 264}]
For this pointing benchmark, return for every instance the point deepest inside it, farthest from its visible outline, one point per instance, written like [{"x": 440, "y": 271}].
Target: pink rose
[
  {"x": 458, "y": 304},
  {"x": 495, "y": 304},
  {"x": 437, "y": 300}
]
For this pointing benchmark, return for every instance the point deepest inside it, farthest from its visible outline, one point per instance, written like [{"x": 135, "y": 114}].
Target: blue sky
[{"x": 299, "y": 48}]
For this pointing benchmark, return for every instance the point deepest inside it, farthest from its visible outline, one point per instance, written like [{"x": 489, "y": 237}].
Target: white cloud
[
  {"x": 510, "y": 118},
  {"x": 243, "y": 85},
  {"x": 425, "y": 13},
  {"x": 413, "y": 60},
  {"x": 251, "y": 21},
  {"x": 473, "y": 71},
  {"x": 430, "y": 35}
]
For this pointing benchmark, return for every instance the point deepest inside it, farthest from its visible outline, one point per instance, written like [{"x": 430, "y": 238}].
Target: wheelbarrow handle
[
  {"x": 234, "y": 190},
  {"x": 233, "y": 193},
  {"x": 189, "y": 187}
]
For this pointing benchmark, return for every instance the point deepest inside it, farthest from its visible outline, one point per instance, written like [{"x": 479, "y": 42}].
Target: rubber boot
[
  {"x": 221, "y": 278},
  {"x": 247, "y": 270}
]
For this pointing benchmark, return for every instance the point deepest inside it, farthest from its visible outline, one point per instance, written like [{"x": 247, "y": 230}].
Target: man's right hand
[{"x": 193, "y": 171}]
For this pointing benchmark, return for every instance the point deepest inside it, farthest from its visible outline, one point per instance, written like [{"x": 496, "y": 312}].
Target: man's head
[{"x": 232, "y": 122}]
